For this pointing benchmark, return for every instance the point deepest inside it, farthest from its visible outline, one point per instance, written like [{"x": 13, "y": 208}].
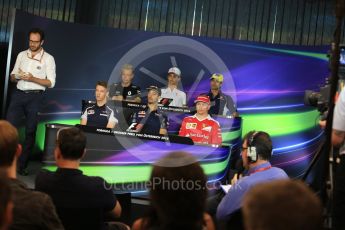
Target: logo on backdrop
[{"x": 173, "y": 45}]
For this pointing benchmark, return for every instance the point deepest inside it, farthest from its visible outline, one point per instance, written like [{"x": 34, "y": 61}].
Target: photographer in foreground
[{"x": 338, "y": 137}]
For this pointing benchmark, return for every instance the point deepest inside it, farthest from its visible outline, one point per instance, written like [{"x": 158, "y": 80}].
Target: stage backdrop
[{"x": 266, "y": 81}]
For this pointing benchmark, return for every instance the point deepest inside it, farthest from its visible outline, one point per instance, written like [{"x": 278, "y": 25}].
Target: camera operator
[
  {"x": 338, "y": 136},
  {"x": 337, "y": 139},
  {"x": 338, "y": 133}
]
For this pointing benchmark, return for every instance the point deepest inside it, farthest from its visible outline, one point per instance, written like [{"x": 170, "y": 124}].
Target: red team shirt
[{"x": 206, "y": 131}]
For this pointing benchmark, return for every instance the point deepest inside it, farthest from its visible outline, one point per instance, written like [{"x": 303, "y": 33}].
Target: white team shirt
[
  {"x": 178, "y": 96},
  {"x": 41, "y": 66}
]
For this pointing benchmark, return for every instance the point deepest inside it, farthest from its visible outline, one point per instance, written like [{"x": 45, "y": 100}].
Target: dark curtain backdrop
[{"x": 298, "y": 22}]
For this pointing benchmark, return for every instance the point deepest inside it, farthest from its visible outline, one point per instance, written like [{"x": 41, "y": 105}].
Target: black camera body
[{"x": 319, "y": 99}]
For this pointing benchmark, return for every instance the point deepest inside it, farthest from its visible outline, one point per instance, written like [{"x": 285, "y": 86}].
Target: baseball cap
[
  {"x": 175, "y": 70},
  {"x": 218, "y": 77},
  {"x": 155, "y": 88},
  {"x": 202, "y": 98}
]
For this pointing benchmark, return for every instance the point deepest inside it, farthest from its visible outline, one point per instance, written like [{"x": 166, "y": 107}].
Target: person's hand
[
  {"x": 236, "y": 178},
  {"x": 235, "y": 114},
  {"x": 21, "y": 72},
  {"x": 18, "y": 76},
  {"x": 27, "y": 77},
  {"x": 322, "y": 124},
  {"x": 118, "y": 98}
]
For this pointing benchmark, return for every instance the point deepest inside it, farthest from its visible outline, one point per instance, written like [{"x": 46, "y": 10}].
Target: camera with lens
[{"x": 319, "y": 99}]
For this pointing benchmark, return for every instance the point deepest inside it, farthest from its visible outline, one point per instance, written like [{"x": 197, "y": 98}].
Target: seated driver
[
  {"x": 201, "y": 127},
  {"x": 150, "y": 120},
  {"x": 99, "y": 115}
]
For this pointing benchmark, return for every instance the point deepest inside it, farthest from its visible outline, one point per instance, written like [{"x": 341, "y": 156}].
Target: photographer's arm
[
  {"x": 338, "y": 138},
  {"x": 338, "y": 131}
]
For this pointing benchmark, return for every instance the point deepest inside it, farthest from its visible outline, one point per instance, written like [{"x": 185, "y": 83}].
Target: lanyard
[
  {"x": 261, "y": 169},
  {"x": 32, "y": 58}
]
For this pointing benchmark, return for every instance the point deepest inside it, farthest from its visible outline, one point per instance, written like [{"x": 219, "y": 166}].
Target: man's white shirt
[
  {"x": 178, "y": 96},
  {"x": 41, "y": 66}
]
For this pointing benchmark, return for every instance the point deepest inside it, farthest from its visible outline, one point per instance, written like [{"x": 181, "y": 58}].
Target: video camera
[{"x": 320, "y": 99}]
